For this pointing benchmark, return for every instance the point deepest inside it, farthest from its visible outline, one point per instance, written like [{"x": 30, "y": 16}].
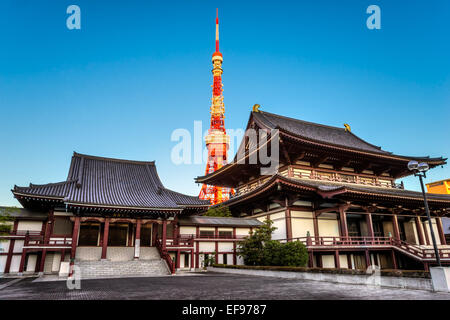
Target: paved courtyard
[{"x": 206, "y": 286}]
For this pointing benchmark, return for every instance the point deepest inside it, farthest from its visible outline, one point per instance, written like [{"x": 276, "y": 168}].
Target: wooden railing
[
  {"x": 36, "y": 239},
  {"x": 418, "y": 251},
  {"x": 182, "y": 241},
  {"x": 213, "y": 236},
  {"x": 165, "y": 255}
]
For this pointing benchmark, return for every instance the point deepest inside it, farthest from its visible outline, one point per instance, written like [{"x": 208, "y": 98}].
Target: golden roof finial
[
  {"x": 347, "y": 127},
  {"x": 256, "y": 108}
]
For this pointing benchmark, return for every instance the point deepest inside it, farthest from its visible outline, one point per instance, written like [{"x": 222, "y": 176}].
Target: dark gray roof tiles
[
  {"x": 113, "y": 182},
  {"x": 317, "y": 132},
  {"x": 219, "y": 221}
]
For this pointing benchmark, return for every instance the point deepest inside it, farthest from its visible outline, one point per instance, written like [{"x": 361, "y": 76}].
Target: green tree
[
  {"x": 251, "y": 248},
  {"x": 5, "y": 219},
  {"x": 219, "y": 211},
  {"x": 293, "y": 254}
]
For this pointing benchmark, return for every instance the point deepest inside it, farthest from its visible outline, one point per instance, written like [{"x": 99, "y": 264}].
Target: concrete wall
[
  {"x": 88, "y": 253},
  {"x": 370, "y": 280}
]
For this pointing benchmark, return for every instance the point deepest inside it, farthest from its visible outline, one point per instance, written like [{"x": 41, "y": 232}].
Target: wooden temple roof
[
  {"x": 114, "y": 184},
  {"x": 316, "y": 143}
]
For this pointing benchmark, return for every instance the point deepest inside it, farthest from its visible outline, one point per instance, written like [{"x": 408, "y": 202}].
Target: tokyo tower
[{"x": 217, "y": 140}]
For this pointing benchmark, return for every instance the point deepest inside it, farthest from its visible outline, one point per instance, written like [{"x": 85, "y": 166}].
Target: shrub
[
  {"x": 293, "y": 254},
  {"x": 219, "y": 211}
]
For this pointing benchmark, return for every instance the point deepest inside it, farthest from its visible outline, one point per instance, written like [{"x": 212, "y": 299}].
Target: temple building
[
  {"x": 336, "y": 193},
  {"x": 114, "y": 217}
]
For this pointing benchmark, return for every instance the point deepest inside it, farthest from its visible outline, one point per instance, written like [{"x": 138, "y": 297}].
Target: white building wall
[
  {"x": 31, "y": 265},
  {"x": 29, "y": 226},
  {"x": 328, "y": 261},
  {"x": 302, "y": 222},
  {"x": 279, "y": 222},
  {"x": 15, "y": 264},
  {"x": 225, "y": 246},
  {"x": 328, "y": 227},
  {"x": 2, "y": 263},
  {"x": 207, "y": 247}
]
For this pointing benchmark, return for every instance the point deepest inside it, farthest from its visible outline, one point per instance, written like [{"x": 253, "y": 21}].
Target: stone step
[{"x": 99, "y": 269}]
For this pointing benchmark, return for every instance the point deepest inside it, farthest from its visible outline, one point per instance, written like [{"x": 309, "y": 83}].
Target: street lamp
[{"x": 419, "y": 170}]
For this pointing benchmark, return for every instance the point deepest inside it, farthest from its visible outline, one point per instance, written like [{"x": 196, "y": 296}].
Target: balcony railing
[
  {"x": 213, "y": 236},
  {"x": 335, "y": 242}
]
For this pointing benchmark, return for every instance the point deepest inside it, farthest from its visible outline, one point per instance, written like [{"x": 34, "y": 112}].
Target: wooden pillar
[
  {"x": 288, "y": 225},
  {"x": 396, "y": 228},
  {"x": 316, "y": 230},
  {"x": 234, "y": 246},
  {"x": 310, "y": 259},
  {"x": 130, "y": 234},
  {"x": 192, "y": 260},
  {"x": 175, "y": 233},
  {"x": 369, "y": 224},
  {"x": 337, "y": 263},
  {"x": 137, "y": 240},
  {"x": 394, "y": 260},
  {"x": 197, "y": 248},
  {"x": 63, "y": 255},
  {"x": 426, "y": 266},
  {"x": 75, "y": 232},
  {"x": 154, "y": 233},
  {"x": 367, "y": 256},
  {"x": 42, "y": 264},
  {"x": 349, "y": 261},
  {"x": 11, "y": 248},
  {"x": 22, "y": 260},
  {"x": 216, "y": 244},
  {"x": 105, "y": 238},
  {"x": 164, "y": 235},
  {"x": 441, "y": 230},
  {"x": 343, "y": 219},
  {"x": 178, "y": 259},
  {"x": 419, "y": 230}
]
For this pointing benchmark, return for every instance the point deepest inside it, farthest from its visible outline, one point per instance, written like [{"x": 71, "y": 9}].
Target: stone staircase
[{"x": 150, "y": 265}]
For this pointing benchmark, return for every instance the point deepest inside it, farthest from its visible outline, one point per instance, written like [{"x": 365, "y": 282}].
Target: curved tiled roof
[
  {"x": 316, "y": 131},
  {"x": 111, "y": 182}
]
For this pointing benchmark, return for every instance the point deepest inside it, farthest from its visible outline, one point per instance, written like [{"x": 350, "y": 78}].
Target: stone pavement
[{"x": 215, "y": 286}]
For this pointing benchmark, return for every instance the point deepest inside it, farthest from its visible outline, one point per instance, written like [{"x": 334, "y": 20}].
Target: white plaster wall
[
  {"x": 239, "y": 260},
  {"x": 328, "y": 261},
  {"x": 31, "y": 265},
  {"x": 279, "y": 222},
  {"x": 48, "y": 265},
  {"x": 343, "y": 261},
  {"x": 30, "y": 225},
  {"x": 207, "y": 229},
  {"x": 2, "y": 263},
  {"x": 207, "y": 247},
  {"x": 182, "y": 257},
  {"x": 15, "y": 263},
  {"x": 302, "y": 222},
  {"x": 328, "y": 227},
  {"x": 188, "y": 230},
  {"x": 18, "y": 246},
  {"x": 56, "y": 262},
  {"x": 225, "y": 246},
  {"x": 242, "y": 231},
  {"x": 4, "y": 246}
]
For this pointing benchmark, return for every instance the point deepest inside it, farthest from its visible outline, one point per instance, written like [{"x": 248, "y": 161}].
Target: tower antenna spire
[
  {"x": 217, "y": 140},
  {"x": 217, "y": 30}
]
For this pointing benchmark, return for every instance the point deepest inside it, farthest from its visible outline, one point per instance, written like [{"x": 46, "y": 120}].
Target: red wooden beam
[{"x": 105, "y": 238}]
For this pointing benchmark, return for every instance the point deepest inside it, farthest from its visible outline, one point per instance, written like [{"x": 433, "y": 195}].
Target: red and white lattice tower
[{"x": 217, "y": 140}]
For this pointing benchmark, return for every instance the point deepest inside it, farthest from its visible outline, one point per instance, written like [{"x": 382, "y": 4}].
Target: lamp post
[{"x": 419, "y": 170}]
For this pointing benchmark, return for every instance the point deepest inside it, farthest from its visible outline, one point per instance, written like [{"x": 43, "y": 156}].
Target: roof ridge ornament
[
  {"x": 347, "y": 127},
  {"x": 256, "y": 107}
]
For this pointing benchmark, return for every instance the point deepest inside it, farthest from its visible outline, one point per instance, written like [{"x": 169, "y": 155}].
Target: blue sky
[{"x": 137, "y": 70}]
